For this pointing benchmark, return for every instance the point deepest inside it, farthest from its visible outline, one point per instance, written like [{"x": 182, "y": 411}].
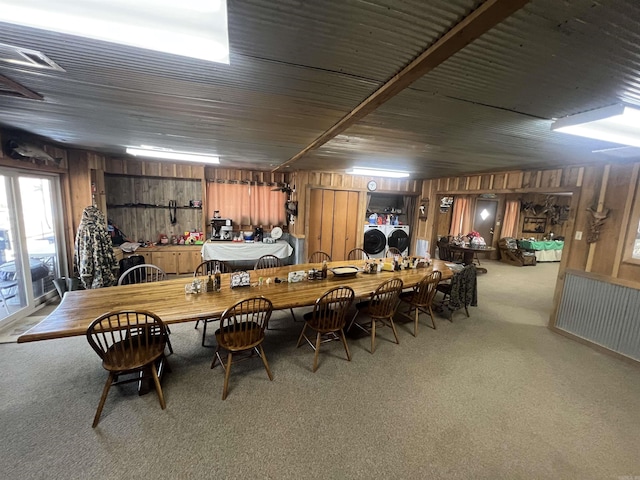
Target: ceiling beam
[{"x": 481, "y": 20}]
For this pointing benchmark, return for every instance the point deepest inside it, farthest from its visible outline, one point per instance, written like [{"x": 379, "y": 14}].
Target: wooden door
[
  {"x": 485, "y": 219},
  {"x": 345, "y": 224},
  {"x": 333, "y": 222}
]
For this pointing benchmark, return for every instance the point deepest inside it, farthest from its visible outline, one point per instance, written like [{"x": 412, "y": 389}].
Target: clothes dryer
[
  {"x": 398, "y": 237},
  {"x": 375, "y": 240}
]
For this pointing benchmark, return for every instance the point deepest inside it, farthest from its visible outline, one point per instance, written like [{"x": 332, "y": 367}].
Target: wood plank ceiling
[{"x": 299, "y": 68}]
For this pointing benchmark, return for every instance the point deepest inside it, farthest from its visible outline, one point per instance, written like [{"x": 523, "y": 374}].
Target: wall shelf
[{"x": 144, "y": 205}]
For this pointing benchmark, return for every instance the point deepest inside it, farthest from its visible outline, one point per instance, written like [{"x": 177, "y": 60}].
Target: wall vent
[{"x": 26, "y": 57}]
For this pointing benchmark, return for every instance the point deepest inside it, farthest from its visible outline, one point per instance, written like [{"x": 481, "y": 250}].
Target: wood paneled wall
[
  {"x": 146, "y": 222},
  {"x": 341, "y": 181},
  {"x": 616, "y": 184},
  {"x": 523, "y": 183}
]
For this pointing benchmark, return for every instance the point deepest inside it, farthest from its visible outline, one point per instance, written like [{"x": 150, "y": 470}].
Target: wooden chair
[
  {"x": 392, "y": 251},
  {"x": 319, "y": 257},
  {"x": 420, "y": 299},
  {"x": 357, "y": 254},
  {"x": 460, "y": 291},
  {"x": 128, "y": 342},
  {"x": 380, "y": 308},
  {"x": 268, "y": 261},
  {"x": 242, "y": 328},
  {"x": 271, "y": 261},
  {"x": 208, "y": 267},
  {"x": 328, "y": 319},
  {"x": 444, "y": 251},
  {"x": 144, "y": 273}
]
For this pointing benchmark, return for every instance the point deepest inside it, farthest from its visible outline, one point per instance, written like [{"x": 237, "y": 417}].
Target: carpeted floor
[
  {"x": 11, "y": 333},
  {"x": 494, "y": 396}
]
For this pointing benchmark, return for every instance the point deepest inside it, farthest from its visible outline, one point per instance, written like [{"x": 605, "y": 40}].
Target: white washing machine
[
  {"x": 398, "y": 237},
  {"x": 375, "y": 240}
]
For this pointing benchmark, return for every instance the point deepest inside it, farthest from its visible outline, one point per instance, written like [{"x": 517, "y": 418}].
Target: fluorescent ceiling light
[
  {"x": 374, "y": 172},
  {"x": 167, "y": 154},
  {"x": 616, "y": 123},
  {"x": 192, "y": 28}
]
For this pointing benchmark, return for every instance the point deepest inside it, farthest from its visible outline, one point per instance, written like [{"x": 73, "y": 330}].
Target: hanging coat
[{"x": 94, "y": 257}]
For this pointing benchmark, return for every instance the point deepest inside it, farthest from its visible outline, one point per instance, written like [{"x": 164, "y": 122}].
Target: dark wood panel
[{"x": 140, "y": 223}]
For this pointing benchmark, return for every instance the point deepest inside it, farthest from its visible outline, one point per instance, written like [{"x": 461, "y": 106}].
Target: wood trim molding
[{"x": 603, "y": 278}]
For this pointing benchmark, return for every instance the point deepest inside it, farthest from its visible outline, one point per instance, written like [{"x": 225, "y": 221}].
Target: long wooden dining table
[{"x": 168, "y": 299}]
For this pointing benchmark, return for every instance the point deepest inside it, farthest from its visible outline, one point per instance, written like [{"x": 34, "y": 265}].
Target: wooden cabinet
[
  {"x": 334, "y": 225},
  {"x": 189, "y": 259},
  {"x": 146, "y": 254},
  {"x": 173, "y": 259},
  {"x": 165, "y": 259}
]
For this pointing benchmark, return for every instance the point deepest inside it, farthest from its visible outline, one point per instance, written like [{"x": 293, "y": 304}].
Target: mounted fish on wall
[{"x": 19, "y": 150}]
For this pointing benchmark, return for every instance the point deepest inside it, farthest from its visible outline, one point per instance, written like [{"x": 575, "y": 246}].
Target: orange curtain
[
  {"x": 246, "y": 204},
  {"x": 267, "y": 206},
  {"x": 461, "y": 216},
  {"x": 511, "y": 216},
  {"x": 231, "y": 200}
]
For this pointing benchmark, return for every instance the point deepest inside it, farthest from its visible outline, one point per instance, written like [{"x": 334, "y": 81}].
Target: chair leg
[
  {"x": 466, "y": 310},
  {"x": 301, "y": 335},
  {"x": 373, "y": 335},
  {"x": 226, "y": 376},
  {"x": 204, "y": 331},
  {"x": 105, "y": 391},
  {"x": 315, "y": 357},
  {"x": 353, "y": 320},
  {"x": 415, "y": 322},
  {"x": 433, "y": 320},
  {"x": 293, "y": 315},
  {"x": 266, "y": 364},
  {"x": 169, "y": 343},
  {"x": 197, "y": 323},
  {"x": 215, "y": 357},
  {"x": 393, "y": 327},
  {"x": 344, "y": 342},
  {"x": 156, "y": 380}
]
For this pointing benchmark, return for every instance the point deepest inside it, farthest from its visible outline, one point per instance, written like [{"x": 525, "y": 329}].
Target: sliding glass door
[{"x": 31, "y": 252}]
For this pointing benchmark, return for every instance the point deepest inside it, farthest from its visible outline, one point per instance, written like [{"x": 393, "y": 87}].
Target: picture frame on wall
[{"x": 534, "y": 225}]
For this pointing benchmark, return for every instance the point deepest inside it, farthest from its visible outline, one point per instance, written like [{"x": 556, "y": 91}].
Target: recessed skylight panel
[{"x": 191, "y": 28}]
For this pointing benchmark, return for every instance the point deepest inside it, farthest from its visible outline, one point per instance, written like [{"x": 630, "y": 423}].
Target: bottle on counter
[
  {"x": 217, "y": 283},
  {"x": 324, "y": 269},
  {"x": 210, "y": 284}
]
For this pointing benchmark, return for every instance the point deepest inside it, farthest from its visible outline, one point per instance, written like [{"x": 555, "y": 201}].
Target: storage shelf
[{"x": 145, "y": 205}]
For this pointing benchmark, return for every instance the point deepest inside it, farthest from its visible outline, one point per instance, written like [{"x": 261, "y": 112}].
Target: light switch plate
[{"x": 578, "y": 235}]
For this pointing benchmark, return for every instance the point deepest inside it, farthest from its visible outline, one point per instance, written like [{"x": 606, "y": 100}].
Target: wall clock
[{"x": 372, "y": 185}]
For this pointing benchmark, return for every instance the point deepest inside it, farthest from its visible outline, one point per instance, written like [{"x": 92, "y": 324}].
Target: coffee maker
[
  {"x": 221, "y": 229},
  {"x": 258, "y": 234}
]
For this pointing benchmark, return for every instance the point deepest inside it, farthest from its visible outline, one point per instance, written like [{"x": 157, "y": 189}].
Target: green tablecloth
[{"x": 544, "y": 245}]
